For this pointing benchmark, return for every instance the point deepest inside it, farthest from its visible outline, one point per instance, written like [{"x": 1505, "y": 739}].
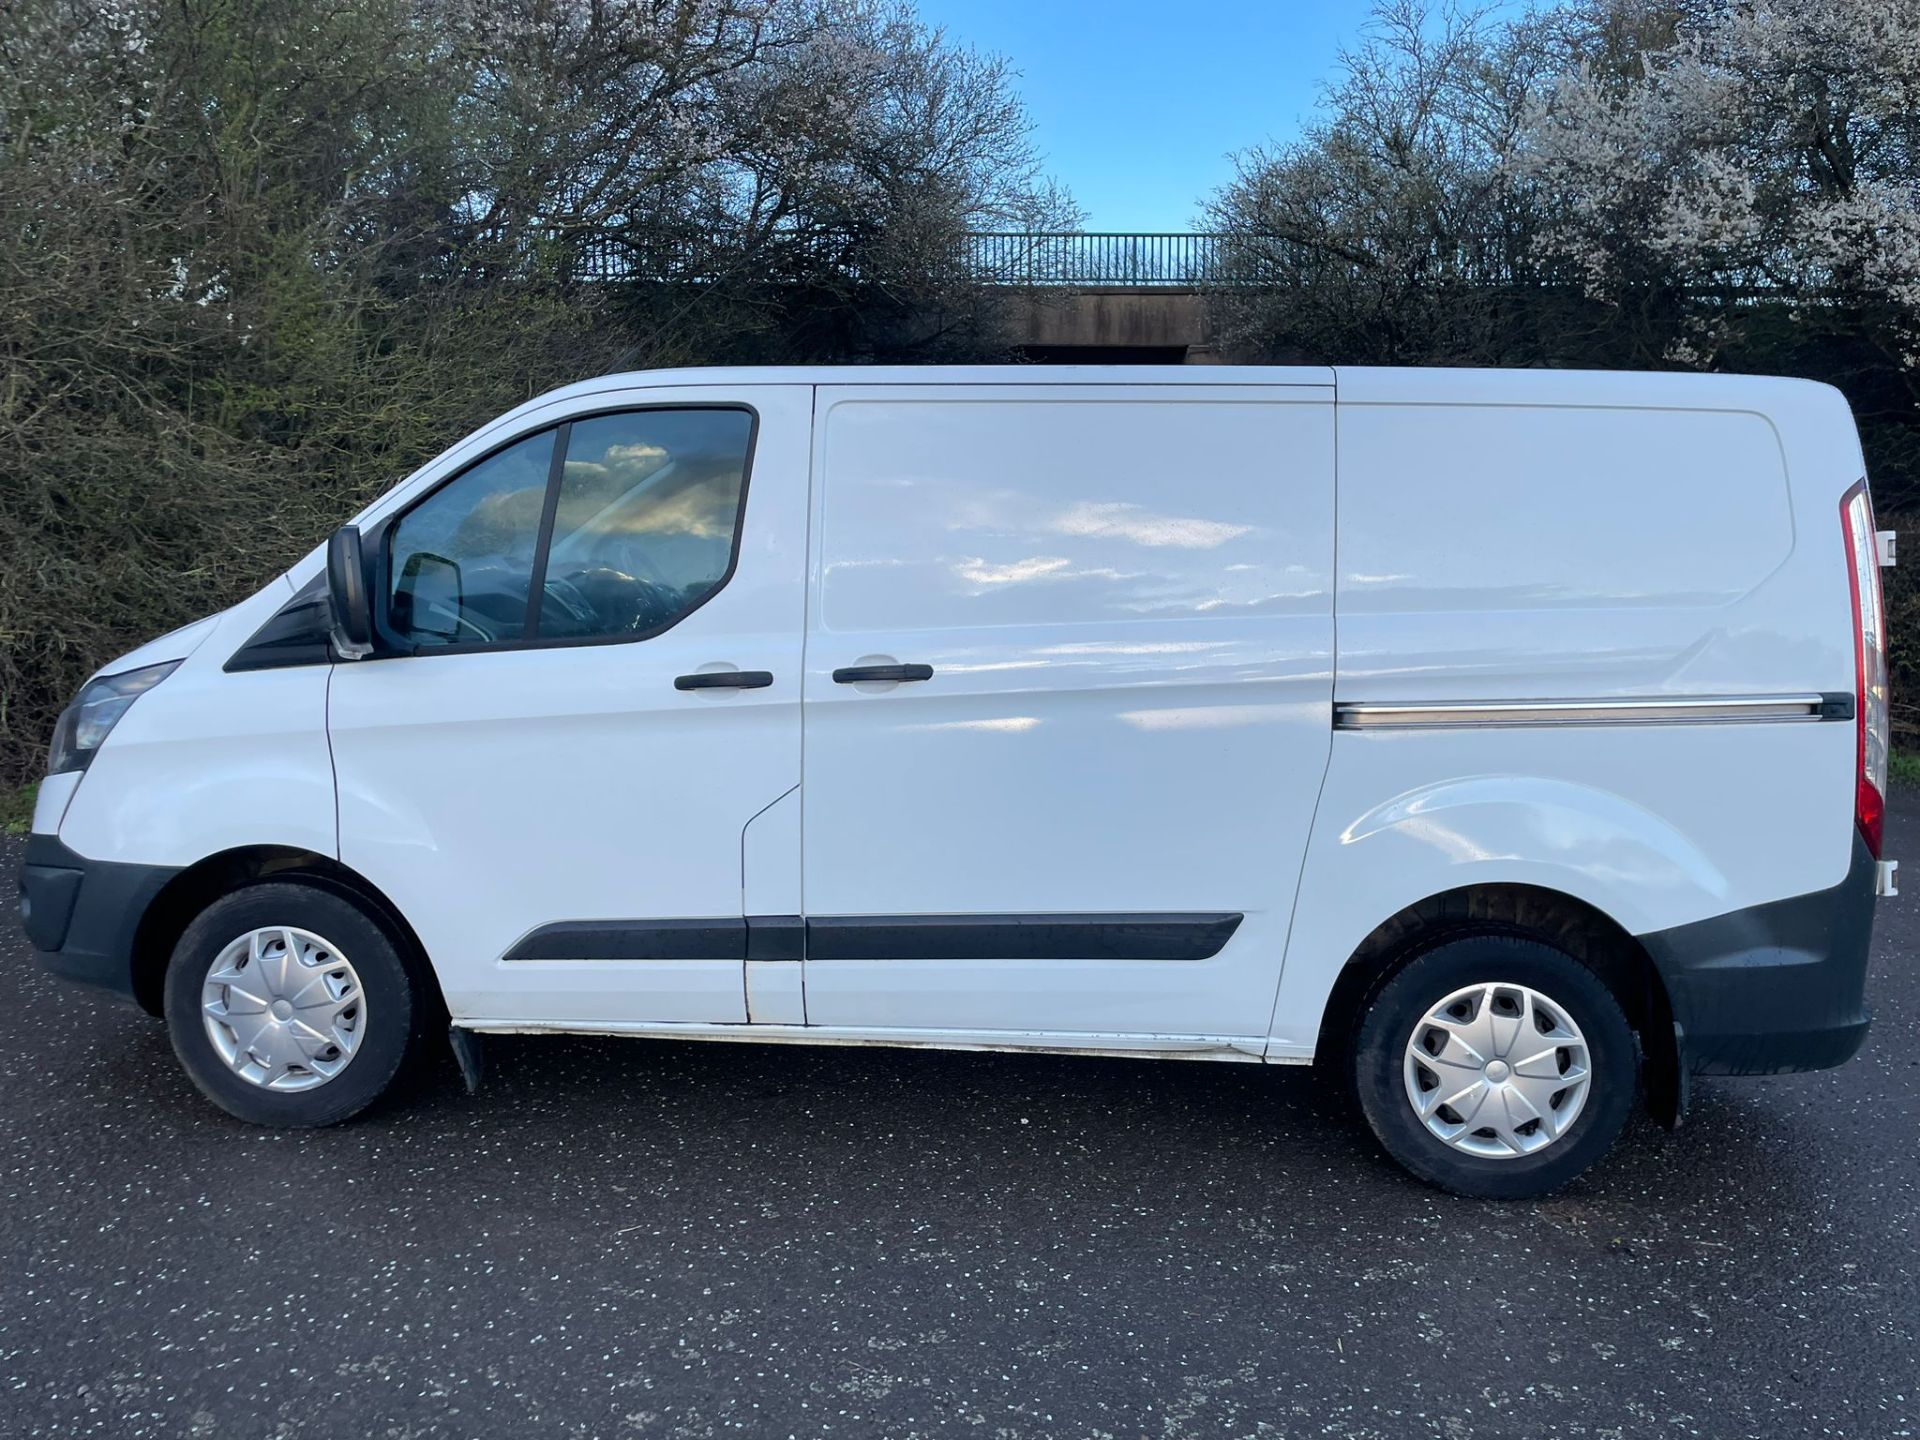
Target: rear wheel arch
[
  {"x": 1530, "y": 912},
  {"x": 187, "y": 894}
]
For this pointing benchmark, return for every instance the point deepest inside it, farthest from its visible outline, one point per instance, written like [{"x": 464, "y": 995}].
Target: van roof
[
  {"x": 976, "y": 375},
  {"x": 1452, "y": 380},
  {"x": 1352, "y": 384}
]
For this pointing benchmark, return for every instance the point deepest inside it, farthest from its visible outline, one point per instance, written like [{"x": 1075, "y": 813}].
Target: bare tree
[
  {"x": 260, "y": 257},
  {"x": 1386, "y": 229}
]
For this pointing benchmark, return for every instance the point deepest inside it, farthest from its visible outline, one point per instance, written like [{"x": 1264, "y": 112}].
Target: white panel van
[{"x": 1514, "y": 742}]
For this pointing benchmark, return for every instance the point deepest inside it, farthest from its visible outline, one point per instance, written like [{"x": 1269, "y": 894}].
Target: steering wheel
[
  {"x": 566, "y": 594},
  {"x": 461, "y": 623}
]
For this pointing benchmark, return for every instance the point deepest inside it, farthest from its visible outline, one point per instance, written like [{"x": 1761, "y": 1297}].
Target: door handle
[
  {"x": 724, "y": 680},
  {"x": 859, "y": 674}
]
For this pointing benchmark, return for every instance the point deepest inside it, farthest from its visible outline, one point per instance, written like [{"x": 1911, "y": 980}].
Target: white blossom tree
[
  {"x": 1772, "y": 150},
  {"x": 1388, "y": 230},
  {"x": 1724, "y": 184},
  {"x": 1706, "y": 183}
]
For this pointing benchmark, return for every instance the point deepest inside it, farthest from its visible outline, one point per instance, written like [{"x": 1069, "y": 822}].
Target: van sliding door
[{"x": 1068, "y": 686}]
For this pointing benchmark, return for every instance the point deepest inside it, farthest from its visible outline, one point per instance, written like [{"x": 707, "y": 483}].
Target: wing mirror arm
[{"x": 349, "y": 596}]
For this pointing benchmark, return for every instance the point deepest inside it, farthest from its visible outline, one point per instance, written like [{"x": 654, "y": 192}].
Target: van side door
[
  {"x": 1068, "y": 698},
  {"x": 598, "y": 623}
]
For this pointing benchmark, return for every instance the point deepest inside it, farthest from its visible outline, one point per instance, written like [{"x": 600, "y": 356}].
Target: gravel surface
[{"x": 624, "y": 1237}]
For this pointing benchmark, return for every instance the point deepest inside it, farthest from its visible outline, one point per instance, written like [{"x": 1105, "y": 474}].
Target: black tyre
[
  {"x": 289, "y": 1005},
  {"x": 1496, "y": 1067}
]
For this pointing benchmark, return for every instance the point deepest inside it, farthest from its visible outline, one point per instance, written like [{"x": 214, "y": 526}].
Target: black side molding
[
  {"x": 634, "y": 940},
  {"x": 1150, "y": 936},
  {"x": 1161, "y": 936},
  {"x": 776, "y": 937}
]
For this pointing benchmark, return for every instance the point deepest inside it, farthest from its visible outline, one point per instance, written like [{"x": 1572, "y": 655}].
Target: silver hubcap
[
  {"x": 283, "y": 1009},
  {"x": 1497, "y": 1071}
]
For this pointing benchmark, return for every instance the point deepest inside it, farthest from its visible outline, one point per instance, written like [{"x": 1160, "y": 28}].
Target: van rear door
[{"x": 1068, "y": 687}]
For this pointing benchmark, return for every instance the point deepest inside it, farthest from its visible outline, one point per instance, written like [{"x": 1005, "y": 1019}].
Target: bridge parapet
[
  {"x": 1115, "y": 295},
  {"x": 1096, "y": 259},
  {"x": 1052, "y": 259}
]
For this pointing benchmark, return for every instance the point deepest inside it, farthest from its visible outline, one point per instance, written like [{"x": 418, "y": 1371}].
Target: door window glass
[
  {"x": 462, "y": 559},
  {"x": 646, "y": 521}
]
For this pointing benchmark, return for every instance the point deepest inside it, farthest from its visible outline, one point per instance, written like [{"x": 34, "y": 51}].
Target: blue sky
[{"x": 1138, "y": 106}]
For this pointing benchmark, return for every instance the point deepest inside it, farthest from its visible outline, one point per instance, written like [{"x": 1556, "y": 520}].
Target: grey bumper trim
[
  {"x": 1775, "y": 987},
  {"x": 100, "y": 904}
]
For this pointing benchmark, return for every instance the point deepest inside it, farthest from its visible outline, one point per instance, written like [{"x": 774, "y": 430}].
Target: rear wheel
[
  {"x": 288, "y": 1005},
  {"x": 1496, "y": 1066}
]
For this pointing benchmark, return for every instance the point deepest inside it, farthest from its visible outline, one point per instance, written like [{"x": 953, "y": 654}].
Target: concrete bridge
[
  {"x": 1087, "y": 297},
  {"x": 1103, "y": 299}
]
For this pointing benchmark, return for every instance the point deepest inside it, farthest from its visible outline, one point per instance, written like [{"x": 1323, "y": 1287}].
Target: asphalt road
[{"x": 623, "y": 1237}]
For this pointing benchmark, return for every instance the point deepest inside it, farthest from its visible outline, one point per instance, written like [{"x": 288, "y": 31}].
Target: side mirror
[
  {"x": 347, "y": 594},
  {"x": 428, "y": 600}
]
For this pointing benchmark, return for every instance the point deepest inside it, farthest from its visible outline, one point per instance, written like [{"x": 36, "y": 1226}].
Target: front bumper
[
  {"x": 84, "y": 916},
  {"x": 1776, "y": 987}
]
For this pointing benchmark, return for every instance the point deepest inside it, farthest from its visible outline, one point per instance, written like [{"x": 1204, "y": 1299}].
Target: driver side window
[
  {"x": 644, "y": 529},
  {"x": 633, "y": 530}
]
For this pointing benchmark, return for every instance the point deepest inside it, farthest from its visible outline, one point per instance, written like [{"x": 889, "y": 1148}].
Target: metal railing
[
  {"x": 1096, "y": 258},
  {"x": 1068, "y": 259},
  {"x": 1062, "y": 259}
]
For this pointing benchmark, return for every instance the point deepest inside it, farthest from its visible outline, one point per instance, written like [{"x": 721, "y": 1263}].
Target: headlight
[{"x": 95, "y": 711}]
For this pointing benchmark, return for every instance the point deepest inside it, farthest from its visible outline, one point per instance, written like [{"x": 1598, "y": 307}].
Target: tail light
[{"x": 1870, "y": 666}]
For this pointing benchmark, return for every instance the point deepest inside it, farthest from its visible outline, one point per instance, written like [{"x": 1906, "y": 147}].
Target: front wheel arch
[{"x": 182, "y": 899}]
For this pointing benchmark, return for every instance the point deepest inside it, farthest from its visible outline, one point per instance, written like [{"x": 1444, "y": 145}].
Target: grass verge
[
  {"x": 1904, "y": 767},
  {"x": 16, "y": 806}
]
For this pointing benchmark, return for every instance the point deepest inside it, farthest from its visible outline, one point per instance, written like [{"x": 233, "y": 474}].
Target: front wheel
[
  {"x": 1496, "y": 1067},
  {"x": 288, "y": 1005}
]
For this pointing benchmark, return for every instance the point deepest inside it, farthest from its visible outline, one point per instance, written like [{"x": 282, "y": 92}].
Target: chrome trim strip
[{"x": 1490, "y": 714}]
